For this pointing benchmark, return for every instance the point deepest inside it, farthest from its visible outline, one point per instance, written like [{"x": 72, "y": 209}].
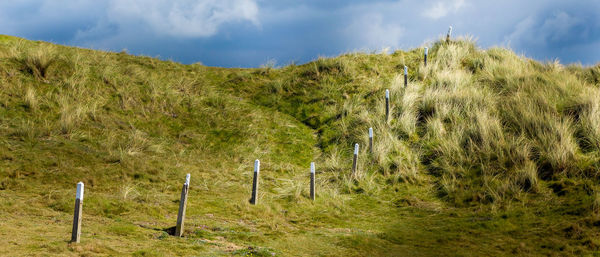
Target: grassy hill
[{"x": 485, "y": 153}]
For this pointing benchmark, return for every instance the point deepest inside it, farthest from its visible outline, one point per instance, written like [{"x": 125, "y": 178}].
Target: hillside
[{"x": 485, "y": 153}]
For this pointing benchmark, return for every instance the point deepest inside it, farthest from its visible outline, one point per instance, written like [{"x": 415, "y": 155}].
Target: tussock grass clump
[
  {"x": 37, "y": 62},
  {"x": 486, "y": 125}
]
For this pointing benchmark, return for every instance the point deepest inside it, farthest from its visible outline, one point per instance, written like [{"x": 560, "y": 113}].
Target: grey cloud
[
  {"x": 568, "y": 31},
  {"x": 47, "y": 20}
]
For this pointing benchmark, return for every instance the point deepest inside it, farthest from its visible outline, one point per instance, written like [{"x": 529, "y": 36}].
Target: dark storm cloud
[
  {"x": 253, "y": 32},
  {"x": 48, "y": 20}
]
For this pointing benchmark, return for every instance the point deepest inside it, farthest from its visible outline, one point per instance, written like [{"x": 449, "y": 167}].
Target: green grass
[{"x": 485, "y": 153}]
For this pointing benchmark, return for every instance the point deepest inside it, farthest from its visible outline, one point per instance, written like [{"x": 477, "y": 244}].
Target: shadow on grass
[{"x": 169, "y": 230}]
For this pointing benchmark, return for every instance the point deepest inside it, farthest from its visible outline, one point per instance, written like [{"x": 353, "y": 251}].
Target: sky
[{"x": 252, "y": 33}]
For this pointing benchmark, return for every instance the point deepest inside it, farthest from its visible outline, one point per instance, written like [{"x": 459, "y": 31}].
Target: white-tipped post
[
  {"x": 76, "y": 232},
  {"x": 355, "y": 159},
  {"x": 179, "y": 228},
  {"x": 425, "y": 58},
  {"x": 312, "y": 181},
  {"x": 387, "y": 105},
  {"x": 79, "y": 194},
  {"x": 405, "y": 76},
  {"x": 449, "y": 34},
  {"x": 371, "y": 140},
  {"x": 254, "y": 199}
]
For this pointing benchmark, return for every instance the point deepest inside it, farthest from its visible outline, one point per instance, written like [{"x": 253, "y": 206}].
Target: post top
[
  {"x": 426, "y": 50},
  {"x": 312, "y": 167},
  {"x": 256, "y": 165},
  {"x": 370, "y": 132},
  {"x": 80, "y": 188},
  {"x": 187, "y": 178},
  {"x": 356, "y": 148},
  {"x": 405, "y": 70},
  {"x": 387, "y": 93}
]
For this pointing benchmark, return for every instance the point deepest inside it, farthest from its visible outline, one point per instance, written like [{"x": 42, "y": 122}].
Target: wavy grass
[{"x": 486, "y": 153}]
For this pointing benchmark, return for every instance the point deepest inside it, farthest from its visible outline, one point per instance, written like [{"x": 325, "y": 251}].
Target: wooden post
[
  {"x": 254, "y": 199},
  {"x": 370, "y": 140},
  {"x": 312, "y": 181},
  {"x": 182, "y": 205},
  {"x": 355, "y": 159},
  {"x": 76, "y": 232},
  {"x": 449, "y": 34},
  {"x": 387, "y": 105},
  {"x": 425, "y": 59},
  {"x": 405, "y": 76}
]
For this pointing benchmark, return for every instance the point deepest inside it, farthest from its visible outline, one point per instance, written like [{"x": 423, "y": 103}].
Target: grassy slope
[{"x": 486, "y": 154}]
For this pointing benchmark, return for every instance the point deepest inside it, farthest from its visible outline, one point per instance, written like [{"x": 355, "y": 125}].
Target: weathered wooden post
[
  {"x": 449, "y": 34},
  {"x": 405, "y": 76},
  {"x": 182, "y": 205},
  {"x": 312, "y": 181},
  {"x": 254, "y": 199},
  {"x": 76, "y": 232},
  {"x": 387, "y": 105},
  {"x": 370, "y": 140},
  {"x": 425, "y": 59},
  {"x": 355, "y": 159}
]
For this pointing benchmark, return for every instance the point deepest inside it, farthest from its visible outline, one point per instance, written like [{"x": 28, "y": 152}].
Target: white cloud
[
  {"x": 522, "y": 32},
  {"x": 181, "y": 18},
  {"x": 441, "y": 9},
  {"x": 370, "y": 31},
  {"x": 561, "y": 25},
  {"x": 177, "y": 18},
  {"x": 300, "y": 30}
]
